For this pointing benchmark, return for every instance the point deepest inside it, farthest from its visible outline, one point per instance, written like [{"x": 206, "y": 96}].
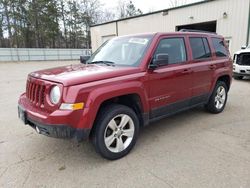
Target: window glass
[
  {"x": 123, "y": 51},
  {"x": 207, "y": 49},
  {"x": 220, "y": 49},
  {"x": 200, "y": 48},
  {"x": 174, "y": 48}
]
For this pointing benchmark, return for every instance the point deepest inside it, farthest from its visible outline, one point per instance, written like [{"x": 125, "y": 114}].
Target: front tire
[
  {"x": 116, "y": 131},
  {"x": 218, "y": 99}
]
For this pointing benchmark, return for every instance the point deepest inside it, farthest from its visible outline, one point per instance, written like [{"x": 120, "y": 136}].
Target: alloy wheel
[
  {"x": 220, "y": 97},
  {"x": 119, "y": 133}
]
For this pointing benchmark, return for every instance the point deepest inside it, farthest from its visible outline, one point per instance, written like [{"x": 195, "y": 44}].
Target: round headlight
[{"x": 55, "y": 95}]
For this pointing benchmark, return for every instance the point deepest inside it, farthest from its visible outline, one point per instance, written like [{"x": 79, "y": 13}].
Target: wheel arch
[
  {"x": 226, "y": 79},
  {"x": 132, "y": 101},
  {"x": 131, "y": 94},
  {"x": 221, "y": 76}
]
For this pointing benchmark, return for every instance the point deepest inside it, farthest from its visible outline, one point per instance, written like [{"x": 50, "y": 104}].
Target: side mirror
[
  {"x": 159, "y": 60},
  {"x": 243, "y": 47},
  {"x": 84, "y": 59}
]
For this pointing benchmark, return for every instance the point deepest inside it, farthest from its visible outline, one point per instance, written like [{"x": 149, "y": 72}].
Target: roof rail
[{"x": 198, "y": 31}]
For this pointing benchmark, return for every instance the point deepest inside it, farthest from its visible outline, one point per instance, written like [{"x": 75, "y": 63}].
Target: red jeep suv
[{"x": 129, "y": 82}]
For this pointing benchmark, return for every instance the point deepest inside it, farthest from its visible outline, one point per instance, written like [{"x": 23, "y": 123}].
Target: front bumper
[
  {"x": 60, "y": 131},
  {"x": 56, "y": 131},
  {"x": 241, "y": 70},
  {"x": 58, "y": 124},
  {"x": 240, "y": 74}
]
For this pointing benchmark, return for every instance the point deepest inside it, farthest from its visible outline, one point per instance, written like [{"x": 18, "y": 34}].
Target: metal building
[{"x": 230, "y": 18}]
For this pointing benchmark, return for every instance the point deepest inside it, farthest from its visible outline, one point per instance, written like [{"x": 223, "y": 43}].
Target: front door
[{"x": 170, "y": 85}]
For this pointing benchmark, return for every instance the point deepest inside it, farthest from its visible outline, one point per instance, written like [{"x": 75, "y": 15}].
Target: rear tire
[
  {"x": 116, "y": 131},
  {"x": 218, "y": 99}
]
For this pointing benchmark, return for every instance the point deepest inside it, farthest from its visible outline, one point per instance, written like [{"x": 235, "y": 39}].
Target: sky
[{"x": 146, "y": 5}]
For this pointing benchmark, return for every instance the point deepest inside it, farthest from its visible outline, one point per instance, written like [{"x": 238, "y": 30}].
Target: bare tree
[
  {"x": 127, "y": 9},
  {"x": 106, "y": 15},
  {"x": 121, "y": 9},
  {"x": 176, "y": 3}
]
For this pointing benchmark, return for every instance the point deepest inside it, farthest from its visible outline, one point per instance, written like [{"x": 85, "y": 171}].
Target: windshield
[{"x": 122, "y": 51}]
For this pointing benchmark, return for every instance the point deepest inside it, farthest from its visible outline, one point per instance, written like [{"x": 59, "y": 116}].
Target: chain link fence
[{"x": 41, "y": 54}]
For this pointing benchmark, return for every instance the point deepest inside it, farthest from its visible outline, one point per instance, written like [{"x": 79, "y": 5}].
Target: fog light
[{"x": 75, "y": 106}]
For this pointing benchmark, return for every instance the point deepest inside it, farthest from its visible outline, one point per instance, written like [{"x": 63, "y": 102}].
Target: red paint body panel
[
  {"x": 94, "y": 84},
  {"x": 80, "y": 74}
]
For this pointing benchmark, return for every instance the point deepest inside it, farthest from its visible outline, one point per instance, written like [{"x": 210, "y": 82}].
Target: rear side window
[
  {"x": 200, "y": 47},
  {"x": 220, "y": 49},
  {"x": 174, "y": 47}
]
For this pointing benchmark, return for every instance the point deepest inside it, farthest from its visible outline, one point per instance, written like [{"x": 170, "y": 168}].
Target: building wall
[
  {"x": 233, "y": 27},
  {"x": 99, "y": 33}
]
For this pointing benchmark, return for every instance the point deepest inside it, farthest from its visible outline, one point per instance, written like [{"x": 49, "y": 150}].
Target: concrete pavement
[{"x": 191, "y": 149}]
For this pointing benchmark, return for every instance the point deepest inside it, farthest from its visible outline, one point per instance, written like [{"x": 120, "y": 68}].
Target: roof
[
  {"x": 159, "y": 11},
  {"x": 177, "y": 33}
]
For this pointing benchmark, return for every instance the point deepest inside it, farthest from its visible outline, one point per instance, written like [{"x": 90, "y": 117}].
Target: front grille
[{"x": 35, "y": 93}]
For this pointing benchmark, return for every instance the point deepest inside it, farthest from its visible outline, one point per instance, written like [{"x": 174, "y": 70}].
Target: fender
[
  {"x": 225, "y": 71},
  {"x": 98, "y": 95}
]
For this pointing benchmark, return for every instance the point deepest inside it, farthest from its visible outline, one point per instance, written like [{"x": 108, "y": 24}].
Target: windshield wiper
[{"x": 108, "y": 63}]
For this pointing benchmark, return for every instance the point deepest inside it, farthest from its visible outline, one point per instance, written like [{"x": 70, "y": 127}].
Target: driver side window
[{"x": 174, "y": 48}]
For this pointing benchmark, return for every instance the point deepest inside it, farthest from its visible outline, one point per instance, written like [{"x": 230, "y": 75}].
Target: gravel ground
[{"x": 191, "y": 149}]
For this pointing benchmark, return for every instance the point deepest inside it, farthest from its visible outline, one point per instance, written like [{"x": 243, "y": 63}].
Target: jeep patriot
[{"x": 129, "y": 82}]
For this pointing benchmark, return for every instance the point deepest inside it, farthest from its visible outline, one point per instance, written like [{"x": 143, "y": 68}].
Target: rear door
[
  {"x": 203, "y": 68},
  {"x": 170, "y": 85}
]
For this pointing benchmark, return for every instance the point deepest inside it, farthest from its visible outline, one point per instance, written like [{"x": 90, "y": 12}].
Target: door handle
[
  {"x": 186, "y": 71},
  {"x": 212, "y": 67}
]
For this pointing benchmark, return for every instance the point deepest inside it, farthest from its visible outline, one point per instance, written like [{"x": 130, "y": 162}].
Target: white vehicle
[{"x": 241, "y": 66}]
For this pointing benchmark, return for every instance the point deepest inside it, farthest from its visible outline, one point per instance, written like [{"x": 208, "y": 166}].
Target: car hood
[{"x": 80, "y": 73}]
